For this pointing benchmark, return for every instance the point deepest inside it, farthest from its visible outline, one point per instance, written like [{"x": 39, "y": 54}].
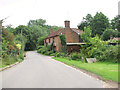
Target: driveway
[{"x": 38, "y": 71}]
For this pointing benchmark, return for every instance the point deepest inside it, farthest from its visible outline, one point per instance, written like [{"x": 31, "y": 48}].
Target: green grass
[{"x": 107, "y": 70}]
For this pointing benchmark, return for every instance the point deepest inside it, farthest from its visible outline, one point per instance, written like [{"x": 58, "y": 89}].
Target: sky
[{"x": 55, "y": 12}]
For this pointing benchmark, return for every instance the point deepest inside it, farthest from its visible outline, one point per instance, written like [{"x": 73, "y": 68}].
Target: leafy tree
[
  {"x": 85, "y": 22},
  {"x": 115, "y": 23},
  {"x": 106, "y": 34},
  {"x": 41, "y": 40},
  {"x": 39, "y": 22},
  {"x": 99, "y": 24},
  {"x": 92, "y": 43},
  {"x": 87, "y": 34}
]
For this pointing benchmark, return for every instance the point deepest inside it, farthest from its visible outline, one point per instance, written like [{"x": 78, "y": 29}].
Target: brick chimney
[{"x": 67, "y": 23}]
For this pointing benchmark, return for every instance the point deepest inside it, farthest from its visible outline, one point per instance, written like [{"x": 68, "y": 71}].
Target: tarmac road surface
[{"x": 38, "y": 71}]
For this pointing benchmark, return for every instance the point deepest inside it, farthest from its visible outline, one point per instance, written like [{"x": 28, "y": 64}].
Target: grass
[
  {"x": 107, "y": 70},
  {"x": 8, "y": 60}
]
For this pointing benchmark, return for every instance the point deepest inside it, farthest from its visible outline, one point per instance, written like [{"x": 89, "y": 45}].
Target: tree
[
  {"x": 87, "y": 34},
  {"x": 41, "y": 40},
  {"x": 115, "y": 23},
  {"x": 108, "y": 32},
  {"x": 39, "y": 22},
  {"x": 99, "y": 24},
  {"x": 92, "y": 43},
  {"x": 85, "y": 22}
]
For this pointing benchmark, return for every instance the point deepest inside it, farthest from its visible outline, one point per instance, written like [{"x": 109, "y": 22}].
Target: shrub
[
  {"x": 57, "y": 54},
  {"x": 47, "y": 53},
  {"x": 21, "y": 56},
  {"x": 109, "y": 53},
  {"x": 53, "y": 54},
  {"x": 75, "y": 56},
  {"x": 39, "y": 47}
]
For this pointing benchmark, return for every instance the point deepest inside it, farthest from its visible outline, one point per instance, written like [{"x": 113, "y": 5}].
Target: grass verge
[{"x": 107, "y": 70}]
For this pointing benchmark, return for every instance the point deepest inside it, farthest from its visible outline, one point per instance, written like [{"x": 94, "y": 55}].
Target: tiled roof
[
  {"x": 78, "y": 31},
  {"x": 55, "y": 33}
]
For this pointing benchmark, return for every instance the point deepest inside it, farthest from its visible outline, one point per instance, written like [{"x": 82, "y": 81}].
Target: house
[{"x": 73, "y": 38}]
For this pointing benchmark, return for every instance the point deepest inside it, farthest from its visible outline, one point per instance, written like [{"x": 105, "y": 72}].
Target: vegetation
[
  {"x": 11, "y": 48},
  {"x": 34, "y": 32},
  {"x": 63, "y": 43},
  {"x": 108, "y": 32},
  {"x": 115, "y": 24},
  {"x": 23, "y": 38},
  {"x": 97, "y": 31},
  {"x": 99, "y": 23},
  {"x": 107, "y": 70}
]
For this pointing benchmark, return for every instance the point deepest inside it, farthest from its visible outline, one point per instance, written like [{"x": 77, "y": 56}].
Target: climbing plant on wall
[{"x": 63, "y": 43}]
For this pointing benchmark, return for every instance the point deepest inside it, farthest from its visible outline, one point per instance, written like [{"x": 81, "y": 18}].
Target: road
[{"x": 38, "y": 71}]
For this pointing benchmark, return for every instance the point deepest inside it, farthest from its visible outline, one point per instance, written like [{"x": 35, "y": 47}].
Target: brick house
[{"x": 73, "y": 38}]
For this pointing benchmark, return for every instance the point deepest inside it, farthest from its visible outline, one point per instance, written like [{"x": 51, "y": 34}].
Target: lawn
[{"x": 107, "y": 70}]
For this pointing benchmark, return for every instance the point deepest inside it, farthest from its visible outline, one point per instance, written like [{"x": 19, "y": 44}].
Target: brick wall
[
  {"x": 71, "y": 36},
  {"x": 58, "y": 43}
]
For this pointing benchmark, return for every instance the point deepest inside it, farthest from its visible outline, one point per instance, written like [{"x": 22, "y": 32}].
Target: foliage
[
  {"x": 38, "y": 22},
  {"x": 45, "y": 50},
  {"x": 85, "y": 22},
  {"x": 75, "y": 56},
  {"x": 11, "y": 47},
  {"x": 86, "y": 35},
  {"x": 34, "y": 32},
  {"x": 41, "y": 40},
  {"x": 57, "y": 54},
  {"x": 93, "y": 47},
  {"x": 108, "y": 32},
  {"x": 108, "y": 53},
  {"x": 96, "y": 48},
  {"x": 63, "y": 43},
  {"x": 115, "y": 24},
  {"x": 99, "y": 24}
]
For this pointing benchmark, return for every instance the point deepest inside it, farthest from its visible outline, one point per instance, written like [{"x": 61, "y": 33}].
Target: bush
[
  {"x": 47, "y": 53},
  {"x": 39, "y": 47},
  {"x": 53, "y": 54},
  {"x": 21, "y": 56},
  {"x": 106, "y": 34},
  {"x": 75, "y": 56},
  {"x": 109, "y": 53},
  {"x": 57, "y": 54}
]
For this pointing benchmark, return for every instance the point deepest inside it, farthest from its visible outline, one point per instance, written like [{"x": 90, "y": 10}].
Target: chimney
[{"x": 67, "y": 23}]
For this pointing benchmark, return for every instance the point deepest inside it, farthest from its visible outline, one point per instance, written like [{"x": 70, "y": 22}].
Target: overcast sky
[{"x": 55, "y": 12}]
